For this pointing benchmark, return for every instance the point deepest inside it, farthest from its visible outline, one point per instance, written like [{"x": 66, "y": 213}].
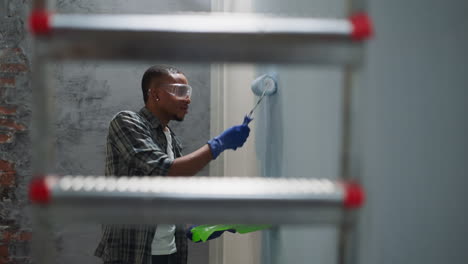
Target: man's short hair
[{"x": 155, "y": 72}]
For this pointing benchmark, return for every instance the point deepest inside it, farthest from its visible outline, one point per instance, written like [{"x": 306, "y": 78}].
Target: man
[{"x": 141, "y": 144}]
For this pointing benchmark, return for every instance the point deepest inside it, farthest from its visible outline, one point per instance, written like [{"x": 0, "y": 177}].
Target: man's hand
[{"x": 231, "y": 138}]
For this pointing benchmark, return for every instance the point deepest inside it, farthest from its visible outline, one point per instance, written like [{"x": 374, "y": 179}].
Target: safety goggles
[{"x": 179, "y": 90}]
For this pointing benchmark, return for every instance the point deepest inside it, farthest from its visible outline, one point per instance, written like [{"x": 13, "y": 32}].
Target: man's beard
[{"x": 179, "y": 119}]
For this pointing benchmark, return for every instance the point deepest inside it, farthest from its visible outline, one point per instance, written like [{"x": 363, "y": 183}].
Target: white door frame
[{"x": 231, "y": 99}]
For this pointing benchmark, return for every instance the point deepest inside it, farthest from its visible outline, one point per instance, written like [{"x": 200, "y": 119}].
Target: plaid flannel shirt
[{"x": 137, "y": 146}]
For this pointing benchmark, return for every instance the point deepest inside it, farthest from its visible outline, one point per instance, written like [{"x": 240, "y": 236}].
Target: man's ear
[{"x": 155, "y": 94}]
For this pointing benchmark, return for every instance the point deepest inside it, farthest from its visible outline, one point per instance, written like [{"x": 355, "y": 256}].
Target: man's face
[{"x": 174, "y": 107}]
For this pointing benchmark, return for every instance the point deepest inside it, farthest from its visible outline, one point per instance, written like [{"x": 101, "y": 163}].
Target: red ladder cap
[
  {"x": 354, "y": 196},
  {"x": 39, "y": 22},
  {"x": 362, "y": 26},
  {"x": 39, "y": 192}
]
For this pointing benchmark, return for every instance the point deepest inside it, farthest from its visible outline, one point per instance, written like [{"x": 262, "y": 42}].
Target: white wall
[
  {"x": 238, "y": 100},
  {"x": 232, "y": 100}
]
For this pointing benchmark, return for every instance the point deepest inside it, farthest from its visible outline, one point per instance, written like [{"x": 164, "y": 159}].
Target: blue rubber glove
[
  {"x": 231, "y": 138},
  {"x": 215, "y": 234}
]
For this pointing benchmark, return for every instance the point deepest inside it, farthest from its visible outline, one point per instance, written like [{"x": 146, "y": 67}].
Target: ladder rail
[
  {"x": 202, "y": 38},
  {"x": 146, "y": 200}
]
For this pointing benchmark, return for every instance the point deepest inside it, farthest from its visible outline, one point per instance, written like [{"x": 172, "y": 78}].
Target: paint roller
[{"x": 262, "y": 86}]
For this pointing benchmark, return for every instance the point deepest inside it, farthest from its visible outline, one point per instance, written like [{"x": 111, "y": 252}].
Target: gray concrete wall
[{"x": 87, "y": 97}]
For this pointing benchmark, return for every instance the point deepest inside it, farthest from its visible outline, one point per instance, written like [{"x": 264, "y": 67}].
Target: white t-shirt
[{"x": 164, "y": 239}]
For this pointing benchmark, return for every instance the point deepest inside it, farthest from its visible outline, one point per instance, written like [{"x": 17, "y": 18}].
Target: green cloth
[{"x": 203, "y": 232}]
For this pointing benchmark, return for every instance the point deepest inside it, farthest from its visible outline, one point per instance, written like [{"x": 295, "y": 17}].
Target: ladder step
[
  {"x": 201, "y": 37},
  {"x": 194, "y": 199}
]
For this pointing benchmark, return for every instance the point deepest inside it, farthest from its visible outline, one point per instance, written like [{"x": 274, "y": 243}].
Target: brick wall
[{"x": 15, "y": 232}]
